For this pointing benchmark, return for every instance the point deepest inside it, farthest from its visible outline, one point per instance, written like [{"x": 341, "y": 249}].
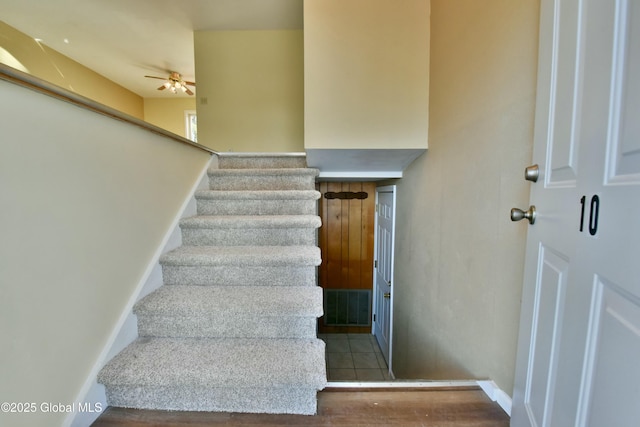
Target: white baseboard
[
  {"x": 496, "y": 394},
  {"x": 400, "y": 384}
]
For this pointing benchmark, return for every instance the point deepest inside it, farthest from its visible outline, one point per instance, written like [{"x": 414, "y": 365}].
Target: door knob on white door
[{"x": 519, "y": 214}]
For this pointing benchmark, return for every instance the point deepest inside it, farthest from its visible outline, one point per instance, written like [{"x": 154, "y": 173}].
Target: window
[{"x": 191, "y": 125}]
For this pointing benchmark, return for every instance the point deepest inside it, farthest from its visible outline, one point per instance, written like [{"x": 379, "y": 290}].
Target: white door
[
  {"x": 579, "y": 347},
  {"x": 383, "y": 265}
]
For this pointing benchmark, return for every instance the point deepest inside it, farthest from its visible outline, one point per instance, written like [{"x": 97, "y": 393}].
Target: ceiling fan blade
[
  {"x": 188, "y": 91},
  {"x": 189, "y": 83},
  {"x": 154, "y": 77},
  {"x": 163, "y": 87}
]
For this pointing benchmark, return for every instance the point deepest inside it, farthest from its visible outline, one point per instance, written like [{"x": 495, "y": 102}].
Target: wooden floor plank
[{"x": 442, "y": 408}]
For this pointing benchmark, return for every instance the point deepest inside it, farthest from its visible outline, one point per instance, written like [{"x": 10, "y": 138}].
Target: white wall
[
  {"x": 366, "y": 74},
  {"x": 168, "y": 113},
  {"x": 459, "y": 260},
  {"x": 250, "y": 90},
  {"x": 86, "y": 202}
]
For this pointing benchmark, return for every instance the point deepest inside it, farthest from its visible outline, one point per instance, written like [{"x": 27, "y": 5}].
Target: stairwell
[{"x": 233, "y": 328}]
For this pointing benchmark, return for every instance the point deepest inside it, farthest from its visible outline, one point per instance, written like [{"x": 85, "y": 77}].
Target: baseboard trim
[
  {"x": 399, "y": 384},
  {"x": 126, "y": 329},
  {"x": 496, "y": 394},
  {"x": 267, "y": 154}
]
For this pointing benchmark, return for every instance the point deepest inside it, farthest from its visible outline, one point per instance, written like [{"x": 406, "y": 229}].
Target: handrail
[{"x": 29, "y": 81}]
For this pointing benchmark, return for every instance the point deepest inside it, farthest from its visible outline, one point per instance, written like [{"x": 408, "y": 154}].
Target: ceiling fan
[{"x": 174, "y": 83}]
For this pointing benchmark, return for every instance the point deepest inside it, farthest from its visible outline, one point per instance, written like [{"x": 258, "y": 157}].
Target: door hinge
[
  {"x": 377, "y": 207},
  {"x": 374, "y": 317},
  {"x": 375, "y": 263}
]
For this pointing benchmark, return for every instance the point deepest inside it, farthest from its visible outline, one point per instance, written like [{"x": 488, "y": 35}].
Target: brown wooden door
[{"x": 346, "y": 242}]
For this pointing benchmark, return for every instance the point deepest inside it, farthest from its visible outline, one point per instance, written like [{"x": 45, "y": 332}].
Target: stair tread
[
  {"x": 208, "y": 301},
  {"x": 243, "y": 256},
  {"x": 264, "y": 172},
  {"x": 251, "y": 221},
  {"x": 259, "y": 160},
  {"x": 257, "y": 195},
  {"x": 177, "y": 362},
  {"x": 262, "y": 155}
]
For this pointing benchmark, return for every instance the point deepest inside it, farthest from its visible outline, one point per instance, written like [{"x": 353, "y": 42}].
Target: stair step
[
  {"x": 230, "y": 312},
  {"x": 263, "y": 400},
  {"x": 291, "y": 202},
  {"x": 261, "y": 160},
  {"x": 227, "y": 375},
  {"x": 262, "y": 179},
  {"x": 241, "y": 265},
  {"x": 244, "y": 230},
  {"x": 245, "y": 256}
]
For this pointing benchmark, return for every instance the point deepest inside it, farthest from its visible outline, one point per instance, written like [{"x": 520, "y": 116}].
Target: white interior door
[
  {"x": 579, "y": 343},
  {"x": 383, "y": 275}
]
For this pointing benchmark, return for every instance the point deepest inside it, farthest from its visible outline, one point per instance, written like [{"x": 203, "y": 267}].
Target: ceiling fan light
[{"x": 173, "y": 83}]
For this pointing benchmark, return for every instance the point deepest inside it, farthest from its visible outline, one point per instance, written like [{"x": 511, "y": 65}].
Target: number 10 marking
[{"x": 593, "y": 214}]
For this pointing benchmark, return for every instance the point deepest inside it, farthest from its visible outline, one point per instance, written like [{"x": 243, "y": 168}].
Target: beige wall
[
  {"x": 24, "y": 53},
  {"x": 85, "y": 209},
  {"x": 168, "y": 113},
  {"x": 366, "y": 73},
  {"x": 252, "y": 82},
  {"x": 459, "y": 260}
]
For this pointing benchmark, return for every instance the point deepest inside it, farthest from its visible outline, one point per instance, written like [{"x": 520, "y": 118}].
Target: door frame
[{"x": 392, "y": 190}]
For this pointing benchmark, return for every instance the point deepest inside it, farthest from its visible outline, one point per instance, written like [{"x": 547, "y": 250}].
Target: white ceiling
[{"x": 124, "y": 40}]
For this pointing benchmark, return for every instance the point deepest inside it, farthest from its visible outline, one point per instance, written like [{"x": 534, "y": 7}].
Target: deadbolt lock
[{"x": 531, "y": 173}]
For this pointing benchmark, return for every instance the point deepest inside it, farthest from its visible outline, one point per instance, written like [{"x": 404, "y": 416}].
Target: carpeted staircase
[{"x": 233, "y": 328}]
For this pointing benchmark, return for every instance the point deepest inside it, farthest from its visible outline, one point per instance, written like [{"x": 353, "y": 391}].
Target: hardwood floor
[{"x": 418, "y": 407}]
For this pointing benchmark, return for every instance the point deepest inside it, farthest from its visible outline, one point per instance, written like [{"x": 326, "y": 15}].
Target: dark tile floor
[{"x": 354, "y": 357}]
